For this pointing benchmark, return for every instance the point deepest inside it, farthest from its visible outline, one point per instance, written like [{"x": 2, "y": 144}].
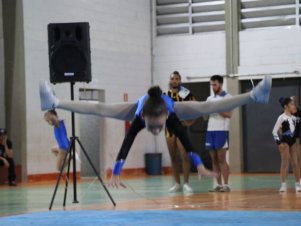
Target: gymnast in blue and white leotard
[{"x": 60, "y": 135}]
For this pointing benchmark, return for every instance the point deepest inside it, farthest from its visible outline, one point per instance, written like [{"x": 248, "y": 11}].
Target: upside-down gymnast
[
  {"x": 60, "y": 134},
  {"x": 153, "y": 111}
]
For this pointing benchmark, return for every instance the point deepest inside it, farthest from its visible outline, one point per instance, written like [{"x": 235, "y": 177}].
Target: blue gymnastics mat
[{"x": 154, "y": 218}]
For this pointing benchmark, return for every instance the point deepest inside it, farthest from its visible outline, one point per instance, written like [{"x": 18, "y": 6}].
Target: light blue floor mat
[{"x": 154, "y": 218}]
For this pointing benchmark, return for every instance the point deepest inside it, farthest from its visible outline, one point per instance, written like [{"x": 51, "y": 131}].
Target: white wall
[
  {"x": 191, "y": 55},
  {"x": 271, "y": 50},
  {"x": 121, "y": 61}
]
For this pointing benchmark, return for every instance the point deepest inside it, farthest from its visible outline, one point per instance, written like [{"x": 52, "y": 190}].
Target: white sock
[
  {"x": 283, "y": 184},
  {"x": 226, "y": 185},
  {"x": 297, "y": 184}
]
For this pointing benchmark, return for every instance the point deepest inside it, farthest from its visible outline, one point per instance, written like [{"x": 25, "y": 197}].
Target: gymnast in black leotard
[{"x": 284, "y": 135}]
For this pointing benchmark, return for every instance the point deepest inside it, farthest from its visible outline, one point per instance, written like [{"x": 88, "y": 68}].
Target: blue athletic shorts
[{"x": 216, "y": 140}]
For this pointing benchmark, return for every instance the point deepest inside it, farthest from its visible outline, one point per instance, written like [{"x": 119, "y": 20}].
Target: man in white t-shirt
[{"x": 217, "y": 137}]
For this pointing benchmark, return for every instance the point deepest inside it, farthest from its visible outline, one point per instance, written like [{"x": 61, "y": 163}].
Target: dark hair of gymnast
[
  {"x": 285, "y": 101},
  {"x": 155, "y": 110}
]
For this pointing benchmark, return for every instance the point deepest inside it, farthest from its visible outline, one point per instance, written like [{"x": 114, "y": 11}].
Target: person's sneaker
[
  {"x": 187, "y": 188},
  {"x": 261, "y": 93},
  {"x": 283, "y": 188},
  {"x": 298, "y": 187},
  {"x": 12, "y": 183},
  {"x": 218, "y": 188},
  {"x": 225, "y": 188},
  {"x": 48, "y": 99},
  {"x": 175, "y": 188}
]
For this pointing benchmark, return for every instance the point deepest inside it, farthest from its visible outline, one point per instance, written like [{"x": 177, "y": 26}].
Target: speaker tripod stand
[{"x": 72, "y": 158}]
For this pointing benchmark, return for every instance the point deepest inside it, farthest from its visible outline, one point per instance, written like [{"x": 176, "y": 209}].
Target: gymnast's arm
[
  {"x": 276, "y": 129},
  {"x": 173, "y": 124},
  {"x": 121, "y": 111},
  {"x": 189, "y": 110},
  {"x": 64, "y": 137},
  {"x": 136, "y": 126}
]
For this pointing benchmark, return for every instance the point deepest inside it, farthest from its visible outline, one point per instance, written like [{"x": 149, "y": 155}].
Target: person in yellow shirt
[{"x": 178, "y": 93}]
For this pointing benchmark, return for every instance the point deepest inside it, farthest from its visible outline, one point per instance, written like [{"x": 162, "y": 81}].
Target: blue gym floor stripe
[{"x": 154, "y": 218}]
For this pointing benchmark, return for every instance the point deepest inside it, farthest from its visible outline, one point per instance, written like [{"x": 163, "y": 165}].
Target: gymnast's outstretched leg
[
  {"x": 195, "y": 109},
  {"x": 184, "y": 110},
  {"x": 49, "y": 101}
]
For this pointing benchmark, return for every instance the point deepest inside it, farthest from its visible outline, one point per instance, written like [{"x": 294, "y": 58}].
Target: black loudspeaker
[{"x": 69, "y": 52}]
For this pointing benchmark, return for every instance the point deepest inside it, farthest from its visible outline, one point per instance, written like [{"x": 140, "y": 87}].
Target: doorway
[
  {"x": 197, "y": 132},
  {"x": 260, "y": 151}
]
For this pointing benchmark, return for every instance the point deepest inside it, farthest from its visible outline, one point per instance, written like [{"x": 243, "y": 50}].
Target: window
[
  {"x": 189, "y": 16},
  {"x": 269, "y": 13}
]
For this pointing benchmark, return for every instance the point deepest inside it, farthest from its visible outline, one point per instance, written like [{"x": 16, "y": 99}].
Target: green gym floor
[{"x": 249, "y": 192}]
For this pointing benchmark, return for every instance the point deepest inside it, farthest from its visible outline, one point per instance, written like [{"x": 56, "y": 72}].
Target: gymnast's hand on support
[{"x": 115, "y": 182}]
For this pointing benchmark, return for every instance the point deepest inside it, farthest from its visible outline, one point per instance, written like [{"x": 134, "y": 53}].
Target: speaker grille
[
  {"x": 69, "y": 52},
  {"x": 68, "y": 59}
]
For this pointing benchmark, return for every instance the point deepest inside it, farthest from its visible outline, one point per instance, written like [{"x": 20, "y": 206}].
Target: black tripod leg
[
  {"x": 74, "y": 172},
  {"x": 58, "y": 180},
  {"x": 95, "y": 171},
  {"x": 68, "y": 173}
]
